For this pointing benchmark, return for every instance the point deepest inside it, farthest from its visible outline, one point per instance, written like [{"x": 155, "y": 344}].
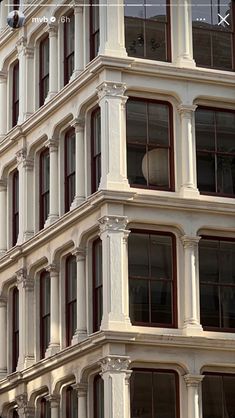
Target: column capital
[
  {"x": 21, "y": 401},
  {"x": 52, "y": 269},
  {"x": 79, "y": 253},
  {"x": 193, "y": 379},
  {"x": 78, "y": 8},
  {"x": 21, "y": 44},
  {"x": 24, "y": 280},
  {"x": 111, "y": 89},
  {"x": 81, "y": 389},
  {"x": 54, "y": 400},
  {"x": 3, "y": 76},
  {"x": 190, "y": 241},
  {"x": 3, "y": 185},
  {"x": 186, "y": 110},
  {"x": 116, "y": 364},
  {"x": 52, "y": 29},
  {"x": 78, "y": 124},
  {"x": 23, "y": 158},
  {"x": 3, "y": 302},
  {"x": 52, "y": 144},
  {"x": 113, "y": 224}
]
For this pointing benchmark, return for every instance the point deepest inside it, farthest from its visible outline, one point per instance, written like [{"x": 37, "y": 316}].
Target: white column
[
  {"x": 78, "y": 124},
  {"x": 3, "y": 337},
  {"x": 184, "y": 32},
  {"x": 54, "y": 405},
  {"x": 115, "y": 272},
  {"x": 54, "y": 345},
  {"x": 78, "y": 41},
  {"x": 112, "y": 31},
  {"x": 188, "y": 147},
  {"x": 26, "y": 319},
  {"x": 3, "y": 217},
  {"x": 113, "y": 136},
  {"x": 81, "y": 330},
  {"x": 54, "y": 180},
  {"x": 29, "y": 82},
  {"x": 115, "y": 374},
  {"x": 25, "y": 168},
  {"x": 81, "y": 389},
  {"x": 191, "y": 285},
  {"x": 3, "y": 15},
  {"x": 3, "y": 103},
  {"x": 193, "y": 383},
  {"x": 21, "y": 47},
  {"x": 53, "y": 60}
]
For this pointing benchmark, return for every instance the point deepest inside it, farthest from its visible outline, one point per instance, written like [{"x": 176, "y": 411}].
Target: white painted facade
[{"x": 112, "y": 211}]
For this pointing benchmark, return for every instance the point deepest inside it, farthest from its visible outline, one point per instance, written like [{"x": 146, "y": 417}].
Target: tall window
[
  {"x": 97, "y": 285},
  {"x": 15, "y": 207},
  {"x": 45, "y": 312},
  {"x": 15, "y": 328},
  {"x": 71, "y": 403},
  {"x": 213, "y": 36},
  {"x": 218, "y": 395},
  {"x": 15, "y": 94},
  {"x": 147, "y": 29},
  {"x": 154, "y": 394},
  {"x": 68, "y": 48},
  {"x": 15, "y": 414},
  {"x": 44, "y": 186},
  {"x": 95, "y": 150},
  {"x": 44, "y": 70},
  {"x": 152, "y": 279},
  {"x": 71, "y": 298},
  {"x": 217, "y": 283},
  {"x": 45, "y": 408},
  {"x": 94, "y": 28},
  {"x": 69, "y": 168},
  {"x": 98, "y": 397},
  {"x": 215, "y": 151},
  {"x": 149, "y": 144}
]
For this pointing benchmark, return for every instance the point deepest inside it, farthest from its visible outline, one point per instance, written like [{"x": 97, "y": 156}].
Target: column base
[
  {"x": 77, "y": 202},
  {"x": 2, "y": 253},
  {"x": 190, "y": 192},
  {"x": 51, "y": 219},
  {"x": 120, "y": 185},
  {"x": 119, "y": 52},
  {"x": 115, "y": 325},
  {"x": 185, "y": 62},
  {"x": 50, "y": 96},
  {"x": 3, "y": 373},
  {"x": 52, "y": 350},
  {"x": 28, "y": 361},
  {"x": 192, "y": 329},
  {"x": 75, "y": 74},
  {"x": 28, "y": 235},
  {"x": 78, "y": 337}
]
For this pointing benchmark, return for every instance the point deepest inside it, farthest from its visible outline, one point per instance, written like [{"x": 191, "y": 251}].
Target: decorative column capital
[
  {"x": 193, "y": 380},
  {"x": 52, "y": 144},
  {"x": 52, "y": 269},
  {"x": 79, "y": 253},
  {"x": 3, "y": 77},
  {"x": 116, "y": 364},
  {"x": 111, "y": 89},
  {"x": 54, "y": 400},
  {"x": 21, "y": 401},
  {"x": 190, "y": 241},
  {"x": 77, "y": 8},
  {"x": 186, "y": 110},
  {"x": 24, "y": 280},
  {"x": 81, "y": 389},
  {"x": 113, "y": 224},
  {"x": 3, "y": 185},
  {"x": 3, "y": 302},
  {"x": 22, "y": 158},
  {"x": 21, "y": 44},
  {"x": 78, "y": 124},
  {"x": 52, "y": 29}
]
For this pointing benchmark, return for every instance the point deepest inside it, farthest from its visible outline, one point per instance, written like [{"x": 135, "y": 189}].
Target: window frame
[
  {"x": 71, "y": 303},
  {"x": 43, "y": 195},
  {"x": 96, "y": 379},
  {"x": 171, "y": 187},
  {"x": 174, "y": 296},
  {"x": 214, "y": 109},
  {"x": 15, "y": 328},
  {"x": 43, "y": 318},
  {"x": 213, "y": 373},
  {"x": 44, "y": 43},
  {"x": 69, "y": 401},
  {"x": 68, "y": 135},
  {"x": 44, "y": 408},
  {"x": 95, "y": 157},
  {"x": 68, "y": 56},
  {"x": 15, "y": 206},
  {"x": 92, "y": 34},
  {"x": 15, "y": 93},
  {"x": 96, "y": 289}
]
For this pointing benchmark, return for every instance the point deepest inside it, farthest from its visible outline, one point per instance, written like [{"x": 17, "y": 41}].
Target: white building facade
[{"x": 117, "y": 227}]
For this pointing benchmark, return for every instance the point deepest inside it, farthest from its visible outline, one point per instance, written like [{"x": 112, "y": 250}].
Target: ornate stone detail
[
  {"x": 114, "y": 364},
  {"x": 193, "y": 379},
  {"x": 21, "y": 44},
  {"x": 52, "y": 29},
  {"x": 52, "y": 269},
  {"x": 78, "y": 124},
  {"x": 109, "y": 88},
  {"x": 3, "y": 302},
  {"x": 186, "y": 110},
  {"x": 3, "y": 77},
  {"x": 21, "y": 401},
  {"x": 24, "y": 279},
  {"x": 54, "y": 400},
  {"x": 3, "y": 185},
  {"x": 113, "y": 223},
  {"x": 190, "y": 241},
  {"x": 79, "y": 253},
  {"x": 52, "y": 144},
  {"x": 81, "y": 389},
  {"x": 21, "y": 155}
]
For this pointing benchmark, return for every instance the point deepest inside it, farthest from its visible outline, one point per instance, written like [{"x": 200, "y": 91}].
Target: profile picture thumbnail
[{"x": 15, "y": 19}]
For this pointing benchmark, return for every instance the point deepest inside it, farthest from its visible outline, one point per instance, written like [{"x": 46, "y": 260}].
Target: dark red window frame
[
  {"x": 44, "y": 193},
  {"x": 45, "y": 410},
  {"x": 43, "y": 77},
  {"x": 71, "y": 300},
  {"x": 155, "y": 371},
  {"x": 173, "y": 281},
  {"x": 98, "y": 393},
  {"x": 69, "y": 172},
  {"x": 97, "y": 287},
  {"x": 15, "y": 328},
  {"x": 15, "y": 94},
  {"x": 45, "y": 312},
  {"x": 15, "y": 206},
  {"x": 94, "y": 29},
  {"x": 71, "y": 403},
  {"x": 95, "y": 149},
  {"x": 68, "y": 55},
  {"x": 131, "y": 143},
  {"x": 217, "y": 374}
]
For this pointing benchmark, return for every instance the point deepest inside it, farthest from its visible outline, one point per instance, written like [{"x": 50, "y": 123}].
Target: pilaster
[
  {"x": 112, "y": 30},
  {"x": 54, "y": 345},
  {"x": 184, "y": 32}
]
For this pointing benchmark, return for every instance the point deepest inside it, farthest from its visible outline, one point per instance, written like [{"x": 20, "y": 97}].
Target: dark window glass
[
  {"x": 218, "y": 396},
  {"x": 15, "y": 207},
  {"x": 151, "y": 279},
  {"x": 147, "y": 29},
  {"x": 44, "y": 186},
  {"x": 97, "y": 285},
  {"x": 68, "y": 48},
  {"x": 215, "y": 151},
  {"x": 71, "y": 297},
  {"x": 69, "y": 168},
  {"x": 45, "y": 311},
  {"x": 217, "y": 283},
  {"x": 71, "y": 403},
  {"x": 15, "y": 414},
  {"x": 15, "y": 6},
  {"x": 15, "y": 328},
  {"x": 94, "y": 28},
  {"x": 45, "y": 408},
  {"x": 15, "y": 94},
  {"x": 149, "y": 144},
  {"x": 98, "y": 397},
  {"x": 95, "y": 150},
  {"x": 154, "y": 394},
  {"x": 213, "y": 34},
  {"x": 44, "y": 70}
]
